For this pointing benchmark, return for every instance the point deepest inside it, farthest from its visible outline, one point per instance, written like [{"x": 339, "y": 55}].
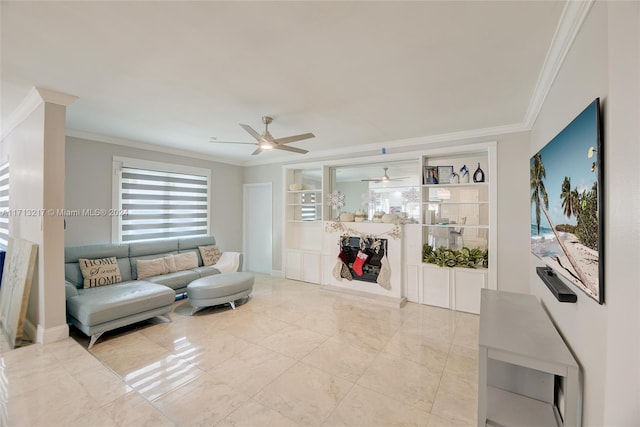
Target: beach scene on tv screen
[{"x": 564, "y": 202}]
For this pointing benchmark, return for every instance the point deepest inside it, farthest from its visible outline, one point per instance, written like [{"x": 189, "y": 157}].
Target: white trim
[
  {"x": 147, "y": 146},
  {"x": 28, "y": 105},
  {"x": 57, "y": 333},
  {"x": 130, "y": 162},
  {"x": 571, "y": 21},
  {"x": 277, "y": 273},
  {"x": 119, "y": 162},
  {"x": 38, "y": 334},
  {"x": 53, "y": 97},
  {"x": 401, "y": 146}
]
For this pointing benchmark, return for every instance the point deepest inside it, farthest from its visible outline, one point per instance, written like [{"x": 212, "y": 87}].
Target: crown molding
[
  {"x": 571, "y": 20},
  {"x": 34, "y": 98},
  {"x": 147, "y": 146},
  {"x": 399, "y": 144}
]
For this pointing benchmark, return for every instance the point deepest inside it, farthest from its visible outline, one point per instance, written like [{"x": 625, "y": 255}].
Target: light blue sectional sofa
[{"x": 100, "y": 309}]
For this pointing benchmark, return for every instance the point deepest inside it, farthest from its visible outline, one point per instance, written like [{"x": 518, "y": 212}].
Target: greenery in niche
[{"x": 465, "y": 257}]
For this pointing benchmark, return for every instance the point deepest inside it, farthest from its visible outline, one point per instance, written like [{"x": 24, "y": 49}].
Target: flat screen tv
[{"x": 566, "y": 183}]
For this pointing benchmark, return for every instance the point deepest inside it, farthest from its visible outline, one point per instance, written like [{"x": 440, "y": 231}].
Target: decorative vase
[
  {"x": 377, "y": 217},
  {"x": 347, "y": 217},
  {"x": 454, "y": 178},
  {"x": 464, "y": 174},
  {"x": 361, "y": 216},
  {"x": 389, "y": 218},
  {"x": 478, "y": 175}
]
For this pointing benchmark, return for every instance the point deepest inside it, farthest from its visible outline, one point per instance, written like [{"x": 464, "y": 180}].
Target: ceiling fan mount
[{"x": 266, "y": 141}]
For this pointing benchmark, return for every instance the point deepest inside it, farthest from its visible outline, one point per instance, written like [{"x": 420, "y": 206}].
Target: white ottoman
[{"x": 219, "y": 289}]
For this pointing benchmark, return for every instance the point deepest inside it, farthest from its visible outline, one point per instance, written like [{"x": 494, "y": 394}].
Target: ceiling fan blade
[
  {"x": 371, "y": 180},
  {"x": 292, "y": 149},
  {"x": 288, "y": 139},
  {"x": 232, "y": 142},
  {"x": 252, "y": 132},
  {"x": 258, "y": 151}
]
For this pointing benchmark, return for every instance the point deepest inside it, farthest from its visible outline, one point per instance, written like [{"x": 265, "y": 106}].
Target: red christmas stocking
[{"x": 359, "y": 262}]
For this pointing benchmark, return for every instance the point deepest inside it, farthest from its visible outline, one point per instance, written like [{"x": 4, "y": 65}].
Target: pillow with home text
[{"x": 100, "y": 272}]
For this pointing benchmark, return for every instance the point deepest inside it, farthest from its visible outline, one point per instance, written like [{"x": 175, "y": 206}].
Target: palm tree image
[
  {"x": 540, "y": 200},
  {"x": 570, "y": 199}
]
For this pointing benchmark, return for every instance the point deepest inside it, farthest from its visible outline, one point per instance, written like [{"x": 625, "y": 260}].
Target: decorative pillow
[
  {"x": 100, "y": 272},
  {"x": 170, "y": 262},
  {"x": 151, "y": 267},
  {"x": 210, "y": 254},
  {"x": 186, "y": 261}
]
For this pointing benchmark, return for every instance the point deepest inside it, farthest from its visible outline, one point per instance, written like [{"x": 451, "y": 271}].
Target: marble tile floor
[{"x": 293, "y": 355}]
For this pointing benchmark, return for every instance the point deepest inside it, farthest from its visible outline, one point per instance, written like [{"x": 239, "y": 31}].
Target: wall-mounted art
[{"x": 566, "y": 189}]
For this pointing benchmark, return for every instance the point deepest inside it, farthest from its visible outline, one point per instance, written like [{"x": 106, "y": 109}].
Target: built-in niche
[{"x": 373, "y": 249}]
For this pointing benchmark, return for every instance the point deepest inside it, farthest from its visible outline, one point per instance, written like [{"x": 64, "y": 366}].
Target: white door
[{"x": 257, "y": 226}]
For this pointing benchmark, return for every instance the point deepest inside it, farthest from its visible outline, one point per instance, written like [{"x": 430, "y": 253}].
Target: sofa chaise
[{"x": 95, "y": 310}]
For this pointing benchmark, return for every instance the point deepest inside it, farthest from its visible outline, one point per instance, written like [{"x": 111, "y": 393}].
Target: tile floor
[{"x": 294, "y": 355}]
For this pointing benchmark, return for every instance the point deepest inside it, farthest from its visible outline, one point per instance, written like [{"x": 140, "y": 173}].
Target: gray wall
[
  {"x": 88, "y": 186},
  {"x": 604, "y": 62}
]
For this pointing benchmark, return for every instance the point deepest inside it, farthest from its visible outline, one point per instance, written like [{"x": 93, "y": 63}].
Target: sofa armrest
[
  {"x": 229, "y": 262},
  {"x": 70, "y": 290}
]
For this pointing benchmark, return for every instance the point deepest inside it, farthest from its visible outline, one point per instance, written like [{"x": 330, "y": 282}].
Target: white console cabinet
[{"x": 527, "y": 375}]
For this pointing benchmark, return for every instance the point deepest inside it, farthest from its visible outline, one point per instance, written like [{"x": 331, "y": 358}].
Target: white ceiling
[{"x": 353, "y": 73}]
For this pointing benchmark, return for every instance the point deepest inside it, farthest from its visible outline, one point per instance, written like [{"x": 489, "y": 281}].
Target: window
[
  {"x": 308, "y": 208},
  {"x": 4, "y": 205},
  {"x": 158, "y": 200}
]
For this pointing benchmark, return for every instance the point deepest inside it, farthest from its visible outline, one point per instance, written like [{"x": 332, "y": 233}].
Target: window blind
[
  {"x": 308, "y": 208},
  {"x": 4, "y": 205},
  {"x": 160, "y": 204}
]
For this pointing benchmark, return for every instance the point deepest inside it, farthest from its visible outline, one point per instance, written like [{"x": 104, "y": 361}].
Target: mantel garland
[{"x": 333, "y": 226}]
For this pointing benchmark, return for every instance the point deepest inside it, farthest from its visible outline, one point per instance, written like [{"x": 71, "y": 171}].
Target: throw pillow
[
  {"x": 170, "y": 262},
  {"x": 100, "y": 272},
  {"x": 151, "y": 267},
  {"x": 210, "y": 254},
  {"x": 186, "y": 261}
]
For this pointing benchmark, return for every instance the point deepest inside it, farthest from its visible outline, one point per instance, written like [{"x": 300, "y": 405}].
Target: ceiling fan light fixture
[{"x": 266, "y": 145}]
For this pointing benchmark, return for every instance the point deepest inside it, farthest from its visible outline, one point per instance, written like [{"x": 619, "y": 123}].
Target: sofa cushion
[
  {"x": 210, "y": 254},
  {"x": 176, "y": 280},
  {"x": 151, "y": 267},
  {"x": 186, "y": 261},
  {"x": 206, "y": 271},
  {"x": 170, "y": 262},
  {"x": 100, "y": 271},
  {"x": 72, "y": 254},
  {"x": 134, "y": 261},
  {"x": 98, "y": 305}
]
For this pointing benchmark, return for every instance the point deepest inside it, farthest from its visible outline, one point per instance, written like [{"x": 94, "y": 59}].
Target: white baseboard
[
  {"x": 30, "y": 330},
  {"x": 381, "y": 299},
  {"x": 57, "y": 333}
]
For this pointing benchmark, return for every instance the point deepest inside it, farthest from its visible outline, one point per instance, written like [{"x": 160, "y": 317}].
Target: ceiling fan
[
  {"x": 385, "y": 178},
  {"x": 266, "y": 141}
]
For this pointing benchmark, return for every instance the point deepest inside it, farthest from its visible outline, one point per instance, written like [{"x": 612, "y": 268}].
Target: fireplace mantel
[{"x": 333, "y": 231}]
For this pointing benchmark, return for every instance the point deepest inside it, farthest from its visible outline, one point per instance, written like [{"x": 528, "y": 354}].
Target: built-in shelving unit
[
  {"x": 303, "y": 213},
  {"x": 457, "y": 215}
]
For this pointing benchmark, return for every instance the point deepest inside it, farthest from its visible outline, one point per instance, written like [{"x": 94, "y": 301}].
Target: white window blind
[
  {"x": 4, "y": 205},
  {"x": 308, "y": 208},
  {"x": 161, "y": 204}
]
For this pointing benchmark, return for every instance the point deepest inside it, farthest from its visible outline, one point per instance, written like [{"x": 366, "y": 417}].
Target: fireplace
[{"x": 375, "y": 249}]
